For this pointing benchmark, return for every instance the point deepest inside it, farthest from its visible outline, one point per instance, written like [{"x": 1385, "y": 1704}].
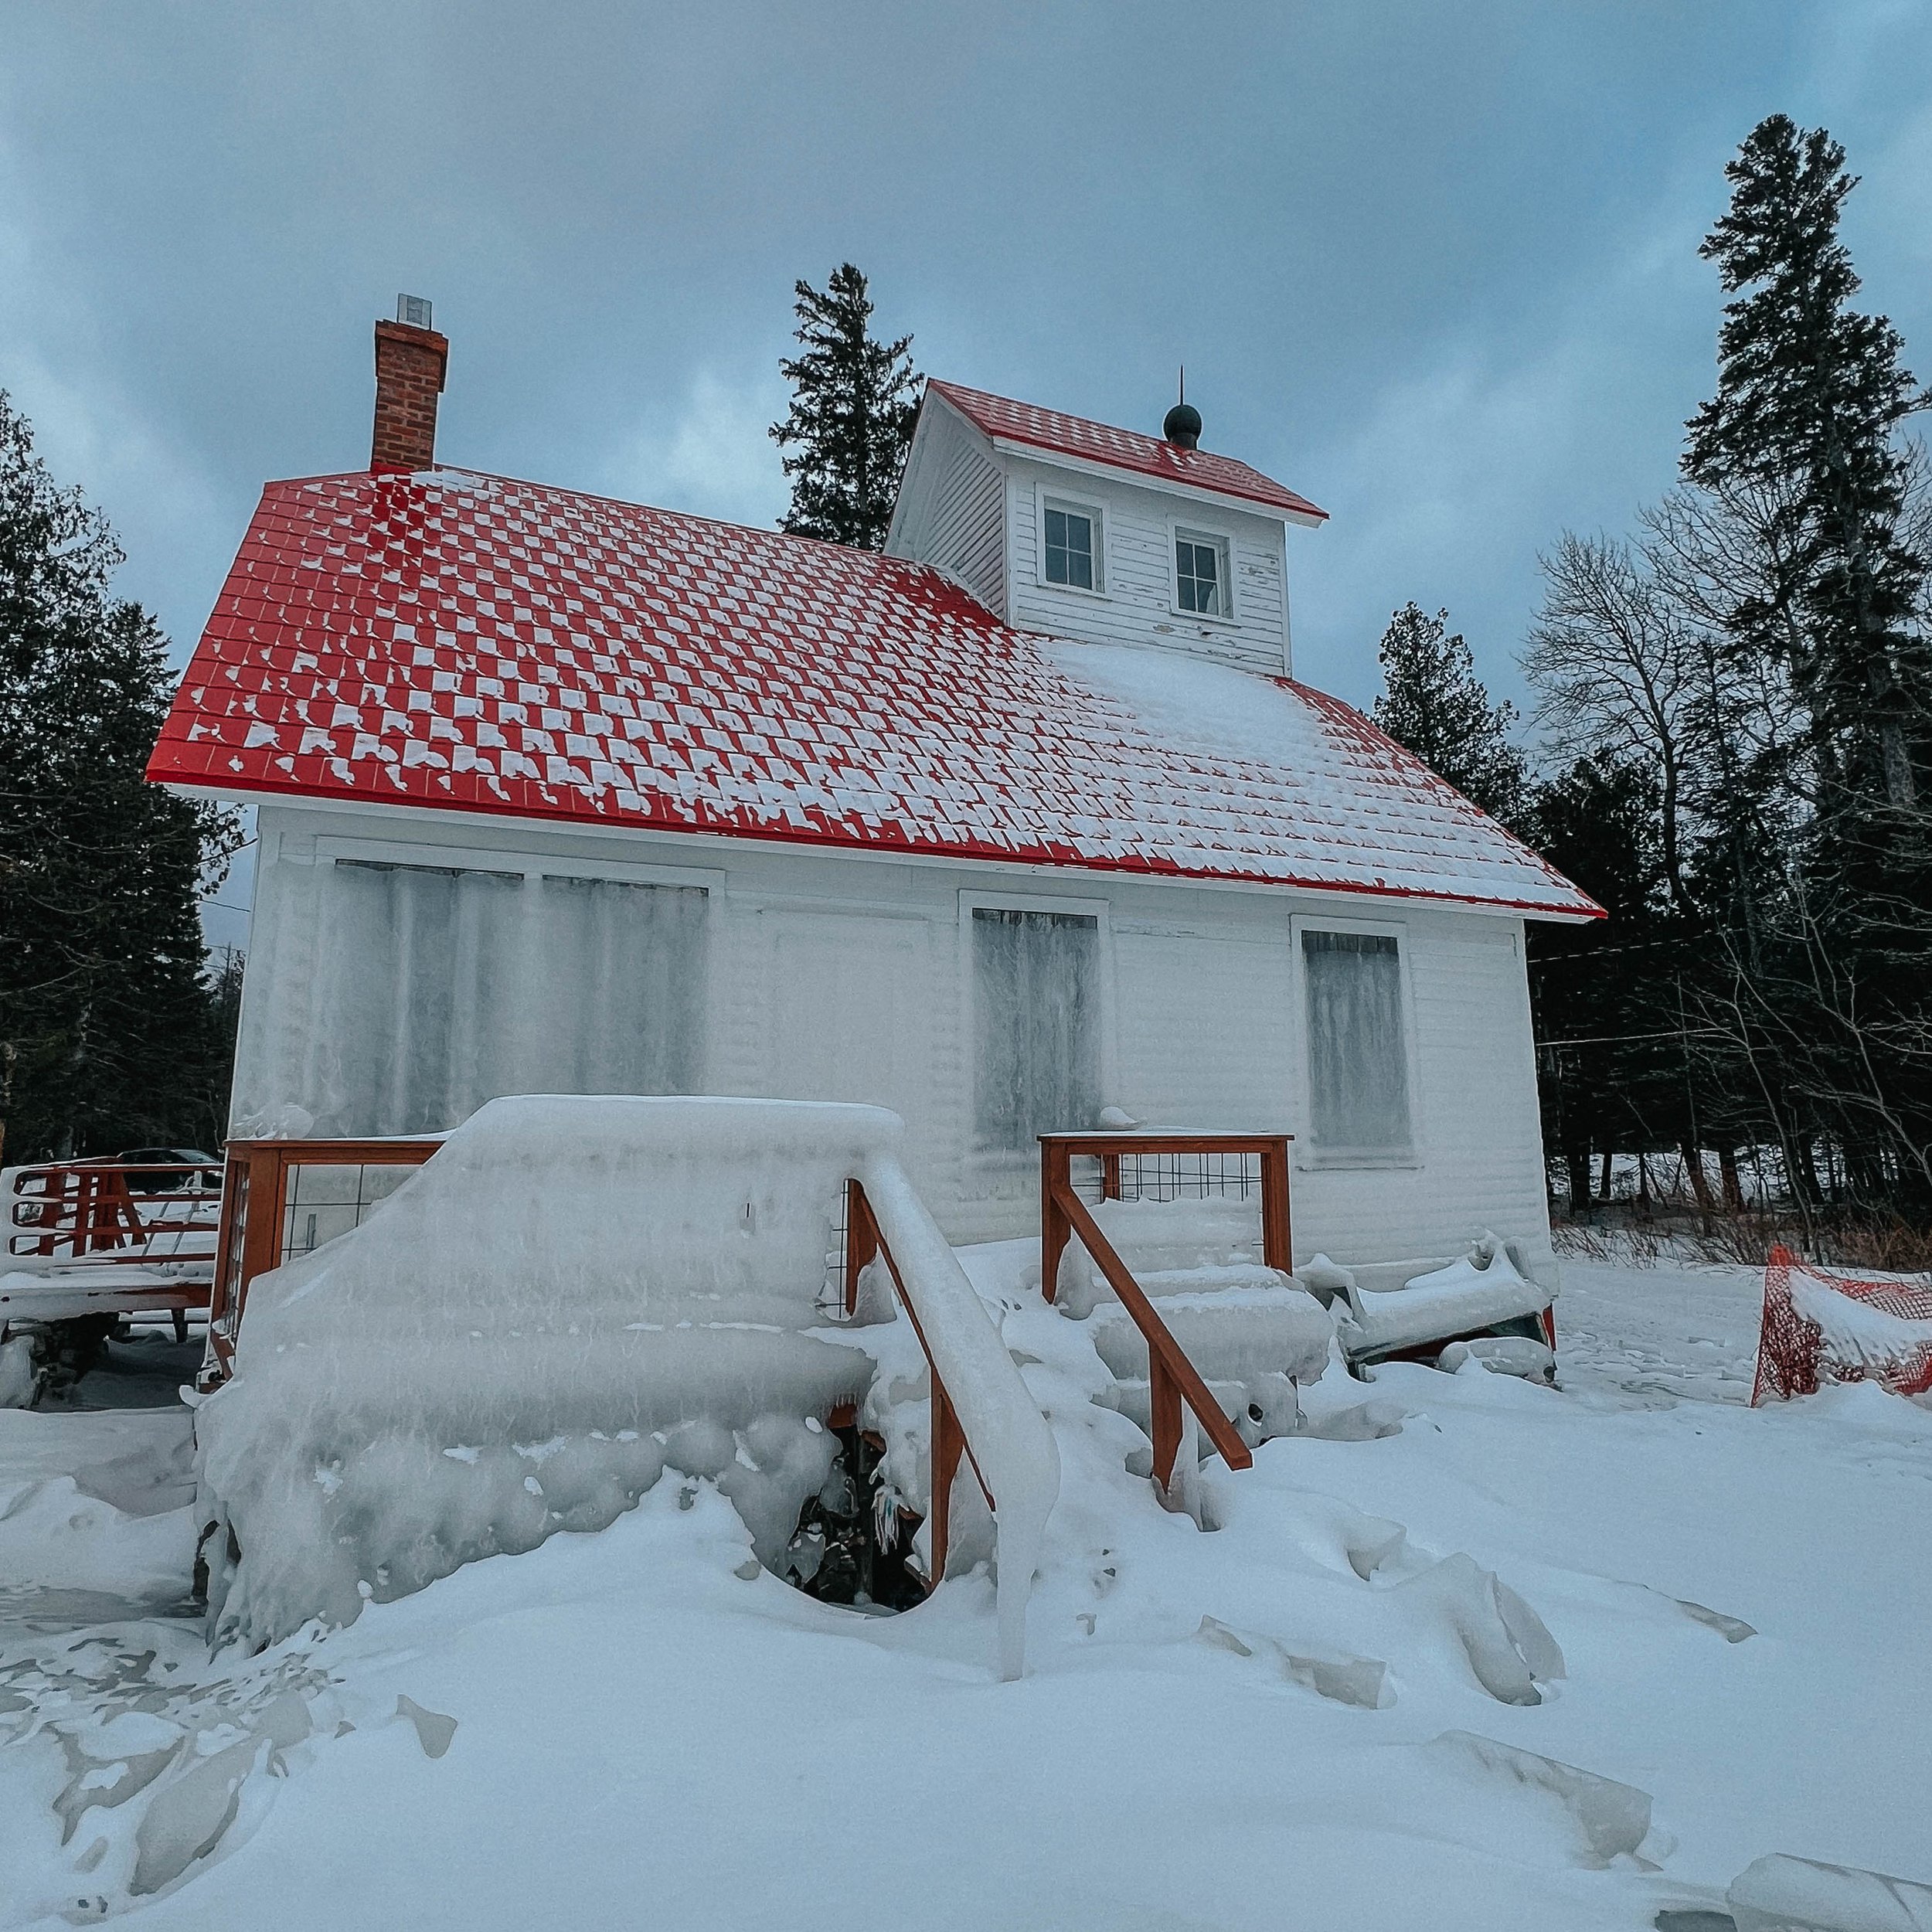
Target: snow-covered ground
[{"x": 1282, "y": 1722}]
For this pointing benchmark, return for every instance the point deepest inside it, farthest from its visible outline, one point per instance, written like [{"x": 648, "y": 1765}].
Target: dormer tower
[{"x": 1066, "y": 526}]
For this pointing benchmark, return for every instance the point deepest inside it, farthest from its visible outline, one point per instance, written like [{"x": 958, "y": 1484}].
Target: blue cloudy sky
[{"x": 1433, "y": 265}]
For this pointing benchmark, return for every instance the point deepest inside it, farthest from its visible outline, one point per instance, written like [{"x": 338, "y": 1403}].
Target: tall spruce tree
[
  {"x": 1810, "y": 396},
  {"x": 1434, "y": 704},
  {"x": 854, "y": 402},
  {"x": 109, "y": 1033}
]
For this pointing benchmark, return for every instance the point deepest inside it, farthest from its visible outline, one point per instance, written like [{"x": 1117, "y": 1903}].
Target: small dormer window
[
  {"x": 1072, "y": 550},
  {"x": 1201, "y": 573}
]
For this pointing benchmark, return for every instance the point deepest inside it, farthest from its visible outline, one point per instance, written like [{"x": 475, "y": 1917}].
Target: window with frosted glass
[
  {"x": 441, "y": 989},
  {"x": 1200, "y": 575},
  {"x": 1071, "y": 548},
  {"x": 1358, "y": 1057},
  {"x": 1036, "y": 1002}
]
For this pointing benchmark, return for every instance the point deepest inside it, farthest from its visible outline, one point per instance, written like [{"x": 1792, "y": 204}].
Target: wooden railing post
[
  {"x": 268, "y": 1207},
  {"x": 1056, "y": 1168},
  {"x": 949, "y": 1432},
  {"x": 1163, "y": 1403},
  {"x": 1169, "y": 1368},
  {"x": 1278, "y": 1234},
  {"x": 949, "y": 1439},
  {"x": 862, "y": 1241}
]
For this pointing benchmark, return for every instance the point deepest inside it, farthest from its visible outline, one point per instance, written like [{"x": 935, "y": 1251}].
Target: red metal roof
[
  {"x": 1121, "y": 449},
  {"x": 469, "y": 642}
]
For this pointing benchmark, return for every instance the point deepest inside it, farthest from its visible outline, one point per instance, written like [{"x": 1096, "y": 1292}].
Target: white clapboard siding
[
  {"x": 965, "y": 535},
  {"x": 1138, "y": 604},
  {"x": 834, "y": 976},
  {"x": 952, "y": 508}
]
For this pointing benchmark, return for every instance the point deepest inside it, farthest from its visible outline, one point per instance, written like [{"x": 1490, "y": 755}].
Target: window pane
[
  {"x": 1056, "y": 546},
  {"x": 1036, "y": 1063},
  {"x": 1207, "y": 579},
  {"x": 1197, "y": 575},
  {"x": 440, "y": 990},
  {"x": 1070, "y": 548},
  {"x": 1357, "y": 1063},
  {"x": 1080, "y": 552}
]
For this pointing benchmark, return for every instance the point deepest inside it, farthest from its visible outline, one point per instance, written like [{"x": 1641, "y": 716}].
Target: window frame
[
  {"x": 330, "y": 847},
  {"x": 992, "y": 1166},
  {"x": 1045, "y": 499},
  {"x": 1180, "y": 531},
  {"x": 1309, "y": 1153}
]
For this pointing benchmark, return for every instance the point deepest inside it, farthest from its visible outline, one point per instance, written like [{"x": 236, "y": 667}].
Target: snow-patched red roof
[
  {"x": 1011, "y": 422},
  {"x": 468, "y": 642}
]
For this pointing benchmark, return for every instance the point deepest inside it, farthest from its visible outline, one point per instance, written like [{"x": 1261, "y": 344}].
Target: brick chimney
[{"x": 410, "y": 358}]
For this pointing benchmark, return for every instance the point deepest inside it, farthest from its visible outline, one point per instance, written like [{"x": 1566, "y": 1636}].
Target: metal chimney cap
[
  {"x": 413, "y": 312},
  {"x": 1182, "y": 427}
]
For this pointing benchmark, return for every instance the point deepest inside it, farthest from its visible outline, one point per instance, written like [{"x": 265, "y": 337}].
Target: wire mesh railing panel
[
  {"x": 326, "y": 1199},
  {"x": 1167, "y": 1177}
]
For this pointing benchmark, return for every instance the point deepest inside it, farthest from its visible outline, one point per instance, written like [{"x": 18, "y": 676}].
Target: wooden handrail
[
  {"x": 1172, "y": 1379},
  {"x": 865, "y": 1241},
  {"x": 88, "y": 1207}
]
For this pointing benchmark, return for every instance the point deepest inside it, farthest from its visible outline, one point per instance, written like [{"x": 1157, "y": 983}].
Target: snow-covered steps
[
  {"x": 1232, "y": 1333},
  {"x": 1252, "y": 1332},
  {"x": 1259, "y": 1406},
  {"x": 1167, "y": 1244}
]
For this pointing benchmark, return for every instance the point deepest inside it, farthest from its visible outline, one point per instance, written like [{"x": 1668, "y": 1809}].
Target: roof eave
[
  {"x": 241, "y": 792},
  {"x": 1056, "y": 458},
  {"x": 922, "y": 434}
]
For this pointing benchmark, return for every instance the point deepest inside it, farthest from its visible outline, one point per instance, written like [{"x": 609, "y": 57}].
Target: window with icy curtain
[
  {"x": 443, "y": 989},
  {"x": 1036, "y": 1065},
  {"x": 1358, "y": 1058}
]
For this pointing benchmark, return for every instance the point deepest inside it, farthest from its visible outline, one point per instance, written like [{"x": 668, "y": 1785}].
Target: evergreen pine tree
[
  {"x": 109, "y": 1033},
  {"x": 1810, "y": 396},
  {"x": 854, "y": 402},
  {"x": 1810, "y": 399},
  {"x": 1434, "y": 704}
]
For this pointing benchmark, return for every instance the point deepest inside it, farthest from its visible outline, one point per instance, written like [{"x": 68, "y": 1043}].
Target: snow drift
[{"x": 573, "y": 1295}]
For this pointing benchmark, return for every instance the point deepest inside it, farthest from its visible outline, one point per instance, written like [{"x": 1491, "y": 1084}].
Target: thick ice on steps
[
  {"x": 574, "y": 1294},
  {"x": 1252, "y": 1331}
]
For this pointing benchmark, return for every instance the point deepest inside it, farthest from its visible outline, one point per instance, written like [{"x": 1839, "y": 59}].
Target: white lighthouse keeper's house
[{"x": 1023, "y": 820}]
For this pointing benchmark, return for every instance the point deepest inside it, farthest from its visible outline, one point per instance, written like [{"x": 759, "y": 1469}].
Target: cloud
[
  {"x": 92, "y": 426},
  {"x": 1469, "y": 462},
  {"x": 713, "y": 458}
]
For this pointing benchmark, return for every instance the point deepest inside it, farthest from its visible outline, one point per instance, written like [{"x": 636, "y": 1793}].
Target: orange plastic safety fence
[{"x": 1795, "y": 1355}]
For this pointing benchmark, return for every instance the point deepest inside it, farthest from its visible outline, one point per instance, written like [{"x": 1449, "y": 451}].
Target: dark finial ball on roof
[{"x": 1182, "y": 426}]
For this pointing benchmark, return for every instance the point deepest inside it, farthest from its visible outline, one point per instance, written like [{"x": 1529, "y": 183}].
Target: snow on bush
[{"x": 574, "y": 1294}]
